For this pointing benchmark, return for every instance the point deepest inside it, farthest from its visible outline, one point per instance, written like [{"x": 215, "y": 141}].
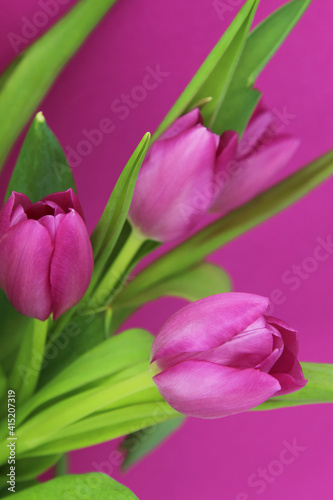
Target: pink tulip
[
  {"x": 262, "y": 152},
  {"x": 46, "y": 258},
  {"x": 222, "y": 355},
  {"x": 175, "y": 187}
]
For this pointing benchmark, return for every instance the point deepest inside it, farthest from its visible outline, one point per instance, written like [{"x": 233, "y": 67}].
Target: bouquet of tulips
[{"x": 68, "y": 378}]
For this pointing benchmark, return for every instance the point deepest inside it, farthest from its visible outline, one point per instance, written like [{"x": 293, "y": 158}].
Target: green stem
[
  {"x": 24, "y": 377},
  {"x": 115, "y": 274}
]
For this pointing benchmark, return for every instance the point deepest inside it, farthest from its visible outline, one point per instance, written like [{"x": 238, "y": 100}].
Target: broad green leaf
[
  {"x": 260, "y": 46},
  {"x": 319, "y": 388},
  {"x": 213, "y": 77},
  {"x": 138, "y": 444},
  {"x": 107, "y": 358},
  {"x": 106, "y": 426},
  {"x": 76, "y": 487},
  {"x": 114, "y": 216},
  {"x": 41, "y": 168},
  {"x": 28, "y": 79},
  {"x": 49, "y": 421},
  {"x": 193, "y": 284},
  {"x": 229, "y": 227},
  {"x": 79, "y": 334}
]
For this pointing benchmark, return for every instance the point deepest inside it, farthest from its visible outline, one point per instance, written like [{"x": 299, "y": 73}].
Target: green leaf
[
  {"x": 10, "y": 338},
  {"x": 261, "y": 45},
  {"x": 213, "y": 77},
  {"x": 114, "y": 216},
  {"x": 41, "y": 168},
  {"x": 229, "y": 227},
  {"x": 76, "y": 487},
  {"x": 28, "y": 79},
  {"x": 202, "y": 280},
  {"x": 319, "y": 388},
  {"x": 105, "y": 427},
  {"x": 138, "y": 444},
  {"x": 41, "y": 427},
  {"x": 107, "y": 358}
]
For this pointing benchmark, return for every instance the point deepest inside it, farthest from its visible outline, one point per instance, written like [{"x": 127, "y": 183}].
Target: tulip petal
[
  {"x": 259, "y": 124},
  {"x": 175, "y": 185},
  {"x": 66, "y": 200},
  {"x": 255, "y": 172},
  {"x": 183, "y": 123},
  {"x": 208, "y": 323},
  {"x": 25, "y": 254},
  {"x": 72, "y": 263},
  {"x": 205, "y": 390},
  {"x": 15, "y": 204},
  {"x": 245, "y": 350},
  {"x": 51, "y": 223},
  {"x": 288, "y": 383}
]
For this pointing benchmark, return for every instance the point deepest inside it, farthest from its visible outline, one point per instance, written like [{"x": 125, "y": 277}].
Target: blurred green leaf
[
  {"x": 90, "y": 486},
  {"x": 214, "y": 75},
  {"x": 10, "y": 338},
  {"x": 229, "y": 227},
  {"x": 138, "y": 444},
  {"x": 27, "y": 80},
  {"x": 202, "y": 280},
  {"x": 319, "y": 389},
  {"x": 106, "y": 426},
  {"x": 41, "y": 168},
  {"x": 107, "y": 358},
  {"x": 261, "y": 45}
]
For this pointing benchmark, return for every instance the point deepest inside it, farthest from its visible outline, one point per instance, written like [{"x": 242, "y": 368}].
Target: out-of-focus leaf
[
  {"x": 193, "y": 284},
  {"x": 261, "y": 45},
  {"x": 107, "y": 358},
  {"x": 106, "y": 426},
  {"x": 41, "y": 168},
  {"x": 76, "y": 487},
  {"x": 138, "y": 444},
  {"x": 27, "y": 80}
]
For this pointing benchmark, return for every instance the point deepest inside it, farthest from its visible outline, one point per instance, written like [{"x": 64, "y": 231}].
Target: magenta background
[{"x": 211, "y": 459}]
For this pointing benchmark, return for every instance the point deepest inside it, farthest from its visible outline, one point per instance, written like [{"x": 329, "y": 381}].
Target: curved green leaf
[
  {"x": 41, "y": 168},
  {"x": 27, "y": 80},
  {"x": 76, "y": 487}
]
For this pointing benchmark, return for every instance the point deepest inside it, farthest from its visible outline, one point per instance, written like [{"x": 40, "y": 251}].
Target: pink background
[{"x": 211, "y": 459}]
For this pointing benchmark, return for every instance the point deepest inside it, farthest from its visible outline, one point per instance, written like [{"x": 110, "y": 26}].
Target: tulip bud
[
  {"x": 222, "y": 355},
  {"x": 46, "y": 258},
  {"x": 261, "y": 153},
  {"x": 175, "y": 186}
]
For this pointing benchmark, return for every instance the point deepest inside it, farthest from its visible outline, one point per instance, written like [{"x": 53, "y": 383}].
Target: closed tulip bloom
[
  {"x": 175, "y": 187},
  {"x": 222, "y": 355},
  {"x": 261, "y": 154},
  {"x": 46, "y": 258}
]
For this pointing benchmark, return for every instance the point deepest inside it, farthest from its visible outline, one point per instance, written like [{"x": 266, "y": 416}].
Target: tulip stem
[
  {"x": 114, "y": 276},
  {"x": 26, "y": 370}
]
